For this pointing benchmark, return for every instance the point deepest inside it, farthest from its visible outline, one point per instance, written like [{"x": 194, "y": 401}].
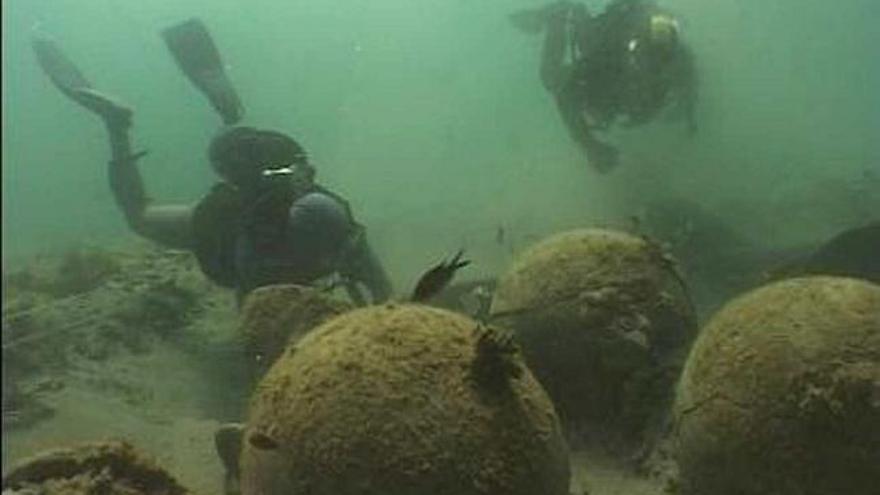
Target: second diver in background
[{"x": 628, "y": 61}]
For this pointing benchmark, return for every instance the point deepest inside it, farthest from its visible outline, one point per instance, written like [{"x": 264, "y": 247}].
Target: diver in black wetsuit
[
  {"x": 267, "y": 222},
  {"x": 627, "y": 61}
]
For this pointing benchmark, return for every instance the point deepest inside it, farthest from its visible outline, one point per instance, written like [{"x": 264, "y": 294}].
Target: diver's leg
[
  {"x": 125, "y": 178},
  {"x": 125, "y": 181},
  {"x": 168, "y": 224},
  {"x": 571, "y": 101}
]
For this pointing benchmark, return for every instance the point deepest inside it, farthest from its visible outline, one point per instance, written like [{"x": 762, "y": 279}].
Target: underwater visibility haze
[{"x": 430, "y": 119}]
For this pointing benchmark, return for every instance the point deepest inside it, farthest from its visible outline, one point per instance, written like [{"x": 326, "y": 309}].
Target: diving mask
[{"x": 271, "y": 172}]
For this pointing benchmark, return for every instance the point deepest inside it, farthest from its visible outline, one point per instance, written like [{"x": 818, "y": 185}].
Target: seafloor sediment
[{"x": 134, "y": 344}]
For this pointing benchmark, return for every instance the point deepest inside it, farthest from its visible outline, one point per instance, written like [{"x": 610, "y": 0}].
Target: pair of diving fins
[{"x": 191, "y": 46}]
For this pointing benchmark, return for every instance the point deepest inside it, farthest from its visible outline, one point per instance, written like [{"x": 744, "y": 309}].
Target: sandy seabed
[{"x": 95, "y": 347}]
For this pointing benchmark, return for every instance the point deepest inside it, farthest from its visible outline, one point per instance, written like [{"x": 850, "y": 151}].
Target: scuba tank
[{"x": 223, "y": 216}]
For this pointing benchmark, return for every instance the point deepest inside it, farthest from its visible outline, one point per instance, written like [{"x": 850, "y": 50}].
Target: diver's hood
[
  {"x": 241, "y": 153},
  {"x": 656, "y": 43},
  {"x": 663, "y": 30}
]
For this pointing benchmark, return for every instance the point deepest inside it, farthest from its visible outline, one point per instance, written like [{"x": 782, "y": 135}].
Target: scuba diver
[
  {"x": 627, "y": 61},
  {"x": 267, "y": 221}
]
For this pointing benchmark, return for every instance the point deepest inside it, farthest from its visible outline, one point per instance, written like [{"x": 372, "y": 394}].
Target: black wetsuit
[
  {"x": 265, "y": 229},
  {"x": 295, "y": 236},
  {"x": 600, "y": 68}
]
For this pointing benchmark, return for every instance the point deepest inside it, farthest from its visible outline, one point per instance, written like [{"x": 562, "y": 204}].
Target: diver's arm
[
  {"x": 362, "y": 265},
  {"x": 554, "y": 70},
  {"x": 570, "y": 102},
  {"x": 561, "y": 80},
  {"x": 168, "y": 225}
]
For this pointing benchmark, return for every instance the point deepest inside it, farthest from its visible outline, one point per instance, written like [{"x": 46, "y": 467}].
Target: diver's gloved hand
[{"x": 603, "y": 157}]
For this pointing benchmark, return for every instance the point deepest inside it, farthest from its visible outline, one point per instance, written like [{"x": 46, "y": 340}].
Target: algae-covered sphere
[
  {"x": 604, "y": 321},
  {"x": 401, "y": 400},
  {"x": 781, "y": 393},
  {"x": 111, "y": 467},
  {"x": 275, "y": 315}
]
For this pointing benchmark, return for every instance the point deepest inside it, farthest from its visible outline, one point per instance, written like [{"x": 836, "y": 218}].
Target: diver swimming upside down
[{"x": 627, "y": 61}]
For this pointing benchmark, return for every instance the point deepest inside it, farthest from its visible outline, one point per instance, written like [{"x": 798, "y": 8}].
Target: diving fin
[
  {"x": 60, "y": 69},
  {"x": 197, "y": 56},
  {"x": 73, "y": 84}
]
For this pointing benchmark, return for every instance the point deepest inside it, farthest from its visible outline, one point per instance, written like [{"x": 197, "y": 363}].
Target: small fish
[
  {"x": 263, "y": 441},
  {"x": 437, "y": 278},
  {"x": 500, "y": 234},
  {"x": 635, "y": 223}
]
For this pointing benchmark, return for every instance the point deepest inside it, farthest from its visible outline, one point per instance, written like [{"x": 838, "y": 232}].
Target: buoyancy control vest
[{"x": 223, "y": 217}]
